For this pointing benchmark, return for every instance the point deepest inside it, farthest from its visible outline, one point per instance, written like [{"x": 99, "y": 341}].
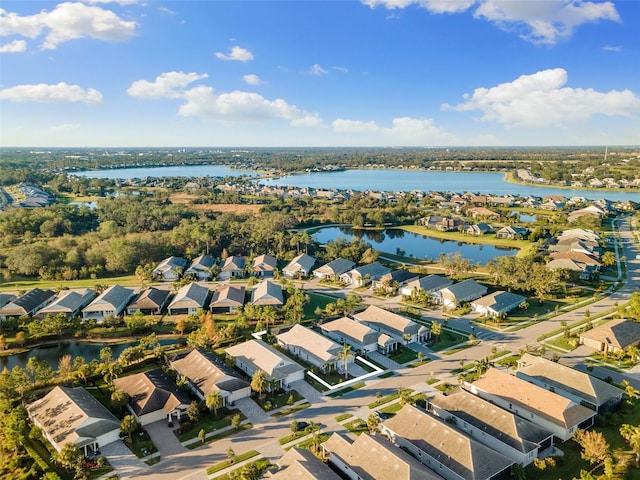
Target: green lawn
[
  {"x": 293, "y": 409},
  {"x": 140, "y": 444},
  {"x": 208, "y": 421},
  {"x": 271, "y": 401},
  {"x": 403, "y": 355},
  {"x": 343, "y": 416},
  {"x": 448, "y": 339},
  {"x": 316, "y": 300},
  {"x": 356, "y": 427},
  {"x": 346, "y": 390},
  {"x": 227, "y": 463}
]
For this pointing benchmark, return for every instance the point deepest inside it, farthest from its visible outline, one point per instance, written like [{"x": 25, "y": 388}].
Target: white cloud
[
  {"x": 307, "y": 120},
  {"x": 340, "y": 69},
  {"x": 121, "y": 2},
  {"x": 341, "y": 125},
  {"x": 403, "y": 130},
  {"x": 537, "y": 21},
  {"x": 612, "y": 48},
  {"x": 44, "y": 93},
  {"x": 317, "y": 70},
  {"x": 166, "y": 85},
  {"x": 15, "y": 46},
  {"x": 541, "y": 100},
  {"x": 68, "y": 21},
  {"x": 238, "y": 54},
  {"x": 65, "y": 127},
  {"x": 252, "y": 79}
]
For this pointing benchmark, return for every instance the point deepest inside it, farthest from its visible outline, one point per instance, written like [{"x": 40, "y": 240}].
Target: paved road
[{"x": 264, "y": 436}]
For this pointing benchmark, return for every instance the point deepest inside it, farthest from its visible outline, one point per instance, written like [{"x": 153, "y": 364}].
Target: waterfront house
[
  {"x": 335, "y": 268},
  {"x": 153, "y": 396},
  {"x": 499, "y": 429},
  {"x": 206, "y": 373},
  {"x": 27, "y": 304},
  {"x": 372, "y": 458},
  {"x": 612, "y": 337},
  {"x": 267, "y": 293},
  {"x": 68, "y": 303},
  {"x": 232, "y": 267},
  {"x": 546, "y": 409},
  {"x": 227, "y": 298},
  {"x": 447, "y": 451},
  {"x": 189, "y": 299},
  {"x": 200, "y": 268},
  {"x": 313, "y": 348},
  {"x": 455, "y": 295},
  {"x": 112, "y": 301},
  {"x": 6, "y": 298},
  {"x": 400, "y": 328},
  {"x": 590, "y": 211},
  {"x": 513, "y": 233},
  {"x": 73, "y": 415},
  {"x": 264, "y": 266},
  {"x": 359, "y": 336},
  {"x": 254, "y": 355},
  {"x": 497, "y": 303},
  {"x": 478, "y": 229},
  {"x": 395, "y": 279},
  {"x": 300, "y": 265},
  {"x": 364, "y": 274},
  {"x": 430, "y": 284},
  {"x": 150, "y": 301},
  {"x": 169, "y": 269},
  {"x": 482, "y": 212},
  {"x": 573, "y": 384}
]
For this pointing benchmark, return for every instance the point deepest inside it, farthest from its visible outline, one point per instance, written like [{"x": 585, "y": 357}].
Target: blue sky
[{"x": 319, "y": 73}]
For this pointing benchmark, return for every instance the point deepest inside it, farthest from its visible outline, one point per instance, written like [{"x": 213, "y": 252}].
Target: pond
[
  {"x": 52, "y": 353},
  {"x": 409, "y": 244}
]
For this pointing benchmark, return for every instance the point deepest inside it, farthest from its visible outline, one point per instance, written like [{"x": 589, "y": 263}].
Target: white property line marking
[{"x": 377, "y": 371}]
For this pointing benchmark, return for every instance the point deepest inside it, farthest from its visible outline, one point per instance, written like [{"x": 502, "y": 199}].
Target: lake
[
  {"x": 409, "y": 244},
  {"x": 171, "y": 171},
  {"x": 52, "y": 353}
]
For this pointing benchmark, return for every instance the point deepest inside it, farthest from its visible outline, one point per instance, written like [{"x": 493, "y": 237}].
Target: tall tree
[
  {"x": 214, "y": 401},
  {"x": 260, "y": 382},
  {"x": 343, "y": 356},
  {"x": 595, "y": 448}
]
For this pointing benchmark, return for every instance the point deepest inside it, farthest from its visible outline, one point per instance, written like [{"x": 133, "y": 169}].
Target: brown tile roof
[
  {"x": 619, "y": 333},
  {"x": 151, "y": 391},
  {"x": 228, "y": 296},
  {"x": 388, "y": 320},
  {"x": 316, "y": 344}
]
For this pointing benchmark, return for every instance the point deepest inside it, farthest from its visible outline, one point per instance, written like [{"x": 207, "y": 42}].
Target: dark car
[
  {"x": 302, "y": 425},
  {"x": 380, "y": 415}
]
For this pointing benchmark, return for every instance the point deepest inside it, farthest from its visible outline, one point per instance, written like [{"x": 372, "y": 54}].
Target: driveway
[
  {"x": 307, "y": 391},
  {"x": 252, "y": 411},
  {"x": 125, "y": 464},
  {"x": 164, "y": 438}
]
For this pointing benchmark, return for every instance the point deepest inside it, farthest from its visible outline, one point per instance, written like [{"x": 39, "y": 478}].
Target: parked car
[
  {"x": 302, "y": 425},
  {"x": 380, "y": 415}
]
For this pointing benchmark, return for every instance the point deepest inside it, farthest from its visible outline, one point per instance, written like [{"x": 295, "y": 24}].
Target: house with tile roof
[
  {"x": 544, "y": 408},
  {"x": 372, "y": 458},
  {"x": 189, "y": 299},
  {"x": 346, "y": 330},
  {"x": 447, "y": 451},
  {"x": 264, "y": 266},
  {"x": 150, "y": 301},
  {"x": 573, "y": 384},
  {"x": 267, "y": 294},
  {"x": 613, "y": 336},
  {"x": 153, "y": 396},
  {"x": 455, "y": 295},
  {"x": 299, "y": 266},
  {"x": 430, "y": 284},
  {"x": 169, "y": 269},
  {"x": 73, "y": 415},
  {"x": 232, "y": 267},
  {"x": 68, "y": 303},
  {"x": 312, "y": 347},
  {"x": 200, "y": 268},
  {"x": 254, "y": 355},
  {"x": 335, "y": 268},
  {"x": 112, "y": 301},
  {"x": 402, "y": 329},
  {"x": 227, "y": 298},
  {"x": 206, "y": 373},
  {"x": 497, "y": 303},
  {"x": 499, "y": 429},
  {"x": 301, "y": 464},
  {"x": 27, "y": 304},
  {"x": 364, "y": 274}
]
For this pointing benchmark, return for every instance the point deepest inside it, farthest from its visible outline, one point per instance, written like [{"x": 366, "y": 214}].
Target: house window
[{"x": 510, "y": 407}]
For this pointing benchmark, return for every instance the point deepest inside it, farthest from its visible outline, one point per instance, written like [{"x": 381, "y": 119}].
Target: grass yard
[
  {"x": 208, "y": 421},
  {"x": 227, "y": 463},
  {"x": 218, "y": 436},
  {"x": 140, "y": 444},
  {"x": 343, "y": 416},
  {"x": 346, "y": 390},
  {"x": 357, "y": 427},
  {"x": 403, "y": 355},
  {"x": 271, "y": 401},
  {"x": 447, "y": 339},
  {"x": 316, "y": 301},
  {"x": 292, "y": 409}
]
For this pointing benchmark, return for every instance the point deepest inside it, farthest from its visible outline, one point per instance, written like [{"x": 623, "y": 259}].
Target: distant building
[
  {"x": 200, "y": 268},
  {"x": 169, "y": 269}
]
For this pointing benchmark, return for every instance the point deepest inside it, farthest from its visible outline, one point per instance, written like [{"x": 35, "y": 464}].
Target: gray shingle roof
[
  {"x": 336, "y": 267},
  {"x": 190, "y": 296},
  {"x": 112, "y": 297},
  {"x": 151, "y": 391},
  {"x": 27, "y": 303},
  {"x": 430, "y": 283},
  {"x": 150, "y": 298},
  {"x": 302, "y": 262}
]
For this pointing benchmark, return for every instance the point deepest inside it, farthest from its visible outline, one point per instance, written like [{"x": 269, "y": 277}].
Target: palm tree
[
  {"x": 344, "y": 355},
  {"x": 214, "y": 401},
  {"x": 633, "y": 353},
  {"x": 436, "y": 330},
  {"x": 260, "y": 382}
]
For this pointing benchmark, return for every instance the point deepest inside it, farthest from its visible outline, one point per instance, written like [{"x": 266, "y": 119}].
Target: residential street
[{"x": 263, "y": 437}]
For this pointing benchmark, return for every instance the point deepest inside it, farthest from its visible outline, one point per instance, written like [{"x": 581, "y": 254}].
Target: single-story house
[
  {"x": 233, "y": 267},
  {"x": 499, "y": 429},
  {"x": 497, "y": 303},
  {"x": 583, "y": 270},
  {"x": 200, "y": 268},
  {"x": 227, "y": 298},
  {"x": 478, "y": 229},
  {"x": 112, "y": 301},
  {"x": 401, "y": 328},
  {"x": 6, "y": 298},
  {"x": 455, "y": 295},
  {"x": 346, "y": 330},
  {"x": 68, "y": 303},
  {"x": 301, "y": 464},
  {"x": 398, "y": 278},
  {"x": 313, "y": 348},
  {"x": 482, "y": 212},
  {"x": 613, "y": 336},
  {"x": 254, "y": 355},
  {"x": 264, "y": 266},
  {"x": 447, "y": 451},
  {"x": 27, "y": 304},
  {"x": 430, "y": 284},
  {"x": 370, "y": 458},
  {"x": 573, "y": 384},
  {"x": 150, "y": 301},
  {"x": 267, "y": 293},
  {"x": 153, "y": 396},
  {"x": 169, "y": 269},
  {"x": 364, "y": 274},
  {"x": 300, "y": 265},
  {"x": 546, "y": 409},
  {"x": 513, "y": 233},
  {"x": 189, "y": 299},
  {"x": 73, "y": 415},
  {"x": 206, "y": 373},
  {"x": 335, "y": 268}
]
